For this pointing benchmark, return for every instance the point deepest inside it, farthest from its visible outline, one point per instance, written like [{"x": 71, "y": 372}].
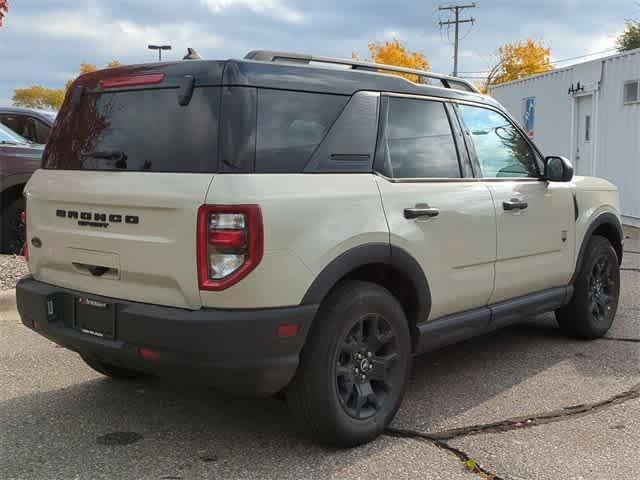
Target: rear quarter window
[
  {"x": 148, "y": 129},
  {"x": 290, "y": 125}
]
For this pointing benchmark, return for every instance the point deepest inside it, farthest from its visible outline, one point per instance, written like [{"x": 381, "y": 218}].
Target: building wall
[
  {"x": 552, "y": 108},
  {"x": 618, "y": 132},
  {"x": 615, "y": 126}
]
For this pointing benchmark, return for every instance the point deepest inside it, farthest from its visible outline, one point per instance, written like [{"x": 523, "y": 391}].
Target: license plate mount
[{"x": 95, "y": 317}]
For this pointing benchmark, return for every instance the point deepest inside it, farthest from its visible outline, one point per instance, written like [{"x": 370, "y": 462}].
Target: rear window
[
  {"x": 138, "y": 130},
  {"x": 291, "y": 125}
]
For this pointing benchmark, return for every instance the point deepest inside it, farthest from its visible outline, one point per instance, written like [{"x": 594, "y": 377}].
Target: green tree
[
  {"x": 630, "y": 38},
  {"x": 37, "y": 96}
]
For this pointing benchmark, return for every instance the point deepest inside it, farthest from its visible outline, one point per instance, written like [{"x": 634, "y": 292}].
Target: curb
[{"x": 7, "y": 300}]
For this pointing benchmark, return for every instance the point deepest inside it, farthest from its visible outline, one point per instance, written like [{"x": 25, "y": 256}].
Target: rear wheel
[
  {"x": 354, "y": 368},
  {"x": 594, "y": 303},
  {"x": 113, "y": 371},
  {"x": 13, "y": 231}
]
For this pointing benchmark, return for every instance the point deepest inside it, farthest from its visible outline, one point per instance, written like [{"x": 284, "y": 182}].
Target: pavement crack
[
  {"x": 469, "y": 463},
  {"x": 518, "y": 423},
  {"x": 620, "y": 339}
]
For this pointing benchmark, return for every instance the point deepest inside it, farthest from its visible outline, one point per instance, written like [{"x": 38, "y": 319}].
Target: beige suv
[{"x": 271, "y": 225}]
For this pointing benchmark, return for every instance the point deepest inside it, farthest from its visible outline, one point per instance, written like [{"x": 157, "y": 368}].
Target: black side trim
[
  {"x": 453, "y": 329},
  {"x": 576, "y": 210},
  {"x": 518, "y": 309},
  {"x": 605, "y": 218},
  {"x": 369, "y": 254},
  {"x": 402, "y": 261},
  {"x": 478, "y": 321},
  {"x": 347, "y": 262}
]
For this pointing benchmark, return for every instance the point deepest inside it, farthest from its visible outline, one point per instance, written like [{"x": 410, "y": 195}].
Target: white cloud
[
  {"x": 274, "y": 8},
  {"x": 117, "y": 38}
]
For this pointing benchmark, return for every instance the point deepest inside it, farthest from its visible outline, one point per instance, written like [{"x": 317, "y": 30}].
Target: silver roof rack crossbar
[{"x": 446, "y": 80}]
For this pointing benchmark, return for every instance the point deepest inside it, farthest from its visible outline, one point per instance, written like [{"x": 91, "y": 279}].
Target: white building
[{"x": 589, "y": 113}]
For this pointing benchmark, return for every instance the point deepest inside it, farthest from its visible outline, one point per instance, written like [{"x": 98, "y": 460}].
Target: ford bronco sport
[{"x": 272, "y": 225}]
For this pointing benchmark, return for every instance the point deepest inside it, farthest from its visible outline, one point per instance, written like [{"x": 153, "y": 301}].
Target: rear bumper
[{"x": 235, "y": 350}]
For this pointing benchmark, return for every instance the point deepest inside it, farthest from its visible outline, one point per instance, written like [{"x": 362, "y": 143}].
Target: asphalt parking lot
[{"x": 522, "y": 403}]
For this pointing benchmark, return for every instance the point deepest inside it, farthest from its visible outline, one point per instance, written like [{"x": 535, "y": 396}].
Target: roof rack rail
[{"x": 446, "y": 80}]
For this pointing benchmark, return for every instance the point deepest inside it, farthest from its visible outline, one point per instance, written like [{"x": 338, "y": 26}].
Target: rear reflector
[
  {"x": 132, "y": 80},
  {"x": 288, "y": 329},
  {"x": 149, "y": 354}
]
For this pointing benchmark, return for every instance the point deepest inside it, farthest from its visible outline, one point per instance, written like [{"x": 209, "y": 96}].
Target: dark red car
[{"x": 18, "y": 160}]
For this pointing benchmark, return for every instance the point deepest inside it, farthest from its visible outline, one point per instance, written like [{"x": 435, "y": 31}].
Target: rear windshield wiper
[
  {"x": 5, "y": 142},
  {"x": 112, "y": 155}
]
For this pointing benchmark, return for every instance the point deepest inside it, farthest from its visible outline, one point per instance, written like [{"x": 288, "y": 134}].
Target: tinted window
[
  {"x": 9, "y": 136},
  {"x": 418, "y": 142},
  {"x": 138, "y": 130},
  {"x": 42, "y": 131},
  {"x": 290, "y": 127},
  {"x": 501, "y": 150},
  {"x": 15, "y": 122}
]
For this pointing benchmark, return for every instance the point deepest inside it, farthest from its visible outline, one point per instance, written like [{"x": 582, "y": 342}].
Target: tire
[
  {"x": 359, "y": 325},
  {"x": 13, "y": 232},
  {"x": 593, "y": 307},
  {"x": 113, "y": 371}
]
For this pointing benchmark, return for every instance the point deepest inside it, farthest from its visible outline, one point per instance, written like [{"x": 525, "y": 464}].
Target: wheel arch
[
  {"x": 607, "y": 225},
  {"x": 386, "y": 265}
]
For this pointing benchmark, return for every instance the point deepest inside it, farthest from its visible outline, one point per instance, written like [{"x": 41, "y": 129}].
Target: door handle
[
  {"x": 417, "y": 212},
  {"x": 514, "y": 204}
]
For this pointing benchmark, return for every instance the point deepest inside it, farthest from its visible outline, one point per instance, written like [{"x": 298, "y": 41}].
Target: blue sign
[{"x": 529, "y": 115}]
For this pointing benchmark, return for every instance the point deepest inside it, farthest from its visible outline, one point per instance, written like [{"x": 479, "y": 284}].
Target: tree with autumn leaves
[
  {"x": 394, "y": 52},
  {"x": 517, "y": 60},
  {"x": 37, "y": 96}
]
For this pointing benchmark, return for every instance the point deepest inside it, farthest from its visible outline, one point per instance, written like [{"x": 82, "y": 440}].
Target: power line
[
  {"x": 563, "y": 60},
  {"x": 456, "y": 9}
]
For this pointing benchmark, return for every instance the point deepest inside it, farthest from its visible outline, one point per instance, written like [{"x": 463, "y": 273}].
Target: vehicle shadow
[{"x": 189, "y": 431}]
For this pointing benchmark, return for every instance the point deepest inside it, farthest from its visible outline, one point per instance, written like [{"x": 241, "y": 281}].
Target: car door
[
  {"x": 436, "y": 210},
  {"x": 535, "y": 218}
]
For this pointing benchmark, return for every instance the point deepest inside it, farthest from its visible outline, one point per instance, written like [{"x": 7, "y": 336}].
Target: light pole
[{"x": 160, "y": 48}]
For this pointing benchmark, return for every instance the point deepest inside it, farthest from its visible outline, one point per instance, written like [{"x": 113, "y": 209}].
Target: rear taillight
[{"x": 230, "y": 244}]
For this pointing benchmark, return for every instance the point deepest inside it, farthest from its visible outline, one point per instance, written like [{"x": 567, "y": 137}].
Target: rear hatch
[{"x": 127, "y": 166}]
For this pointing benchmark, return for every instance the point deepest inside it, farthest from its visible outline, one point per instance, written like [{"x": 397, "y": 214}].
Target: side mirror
[{"x": 558, "y": 169}]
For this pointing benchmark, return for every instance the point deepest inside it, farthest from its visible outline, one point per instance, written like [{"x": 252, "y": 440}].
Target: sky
[{"x": 44, "y": 41}]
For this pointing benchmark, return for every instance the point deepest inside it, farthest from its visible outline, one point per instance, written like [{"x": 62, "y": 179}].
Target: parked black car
[
  {"x": 30, "y": 123},
  {"x": 18, "y": 160}
]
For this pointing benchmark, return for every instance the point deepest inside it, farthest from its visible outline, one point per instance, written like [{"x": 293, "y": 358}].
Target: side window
[
  {"x": 501, "y": 150},
  {"x": 290, "y": 127},
  {"x": 42, "y": 132},
  {"x": 418, "y": 141},
  {"x": 15, "y": 123}
]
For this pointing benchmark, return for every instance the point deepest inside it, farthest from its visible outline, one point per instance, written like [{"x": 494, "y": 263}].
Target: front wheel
[
  {"x": 355, "y": 366},
  {"x": 593, "y": 307}
]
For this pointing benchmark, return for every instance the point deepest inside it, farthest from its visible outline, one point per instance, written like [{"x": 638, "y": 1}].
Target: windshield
[{"x": 9, "y": 136}]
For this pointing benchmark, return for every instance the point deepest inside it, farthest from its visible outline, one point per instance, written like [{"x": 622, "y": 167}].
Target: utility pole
[{"x": 456, "y": 11}]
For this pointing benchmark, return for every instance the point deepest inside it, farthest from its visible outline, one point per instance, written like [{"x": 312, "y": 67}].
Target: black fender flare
[
  {"x": 398, "y": 259},
  {"x": 606, "y": 218}
]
